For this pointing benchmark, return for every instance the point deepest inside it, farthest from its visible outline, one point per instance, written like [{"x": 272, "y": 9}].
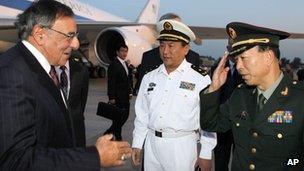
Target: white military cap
[{"x": 172, "y": 30}]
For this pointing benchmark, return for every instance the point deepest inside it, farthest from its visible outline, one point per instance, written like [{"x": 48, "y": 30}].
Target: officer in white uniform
[{"x": 167, "y": 108}]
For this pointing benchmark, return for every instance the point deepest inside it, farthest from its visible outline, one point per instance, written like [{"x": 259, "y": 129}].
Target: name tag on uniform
[
  {"x": 187, "y": 85},
  {"x": 280, "y": 116},
  {"x": 151, "y": 86}
]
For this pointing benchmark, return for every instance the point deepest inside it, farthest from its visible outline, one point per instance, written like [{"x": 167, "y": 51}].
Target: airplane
[{"x": 100, "y": 31}]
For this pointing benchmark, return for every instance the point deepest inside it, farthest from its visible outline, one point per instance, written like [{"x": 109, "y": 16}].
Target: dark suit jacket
[
  {"x": 119, "y": 83},
  {"x": 35, "y": 126},
  {"x": 259, "y": 140},
  {"x": 79, "y": 84},
  {"x": 151, "y": 60}
]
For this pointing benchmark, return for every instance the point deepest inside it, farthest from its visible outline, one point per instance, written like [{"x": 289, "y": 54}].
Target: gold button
[
  {"x": 237, "y": 124},
  {"x": 251, "y": 166},
  {"x": 255, "y": 135},
  {"x": 253, "y": 150},
  {"x": 280, "y": 135}
]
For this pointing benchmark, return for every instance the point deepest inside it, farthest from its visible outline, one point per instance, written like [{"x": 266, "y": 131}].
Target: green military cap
[
  {"x": 245, "y": 36},
  {"x": 172, "y": 30}
]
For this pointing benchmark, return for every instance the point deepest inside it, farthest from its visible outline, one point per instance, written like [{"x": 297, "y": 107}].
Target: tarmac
[{"x": 96, "y": 125}]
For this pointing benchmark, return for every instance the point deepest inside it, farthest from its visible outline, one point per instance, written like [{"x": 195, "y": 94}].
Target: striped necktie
[
  {"x": 54, "y": 76},
  {"x": 64, "y": 82}
]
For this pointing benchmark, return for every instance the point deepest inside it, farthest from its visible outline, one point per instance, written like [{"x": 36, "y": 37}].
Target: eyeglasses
[{"x": 69, "y": 36}]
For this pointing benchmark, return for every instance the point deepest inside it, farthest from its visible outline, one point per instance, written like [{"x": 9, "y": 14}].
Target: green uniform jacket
[{"x": 272, "y": 139}]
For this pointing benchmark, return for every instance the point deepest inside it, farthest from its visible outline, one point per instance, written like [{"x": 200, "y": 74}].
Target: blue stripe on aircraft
[
  {"x": 23, "y": 4},
  {"x": 78, "y": 17},
  {"x": 16, "y": 4}
]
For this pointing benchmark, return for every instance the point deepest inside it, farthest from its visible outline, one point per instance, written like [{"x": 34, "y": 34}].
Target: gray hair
[
  {"x": 43, "y": 13},
  {"x": 169, "y": 16}
]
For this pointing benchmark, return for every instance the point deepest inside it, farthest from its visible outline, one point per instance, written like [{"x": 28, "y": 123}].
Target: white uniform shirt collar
[
  {"x": 180, "y": 69},
  {"x": 38, "y": 55}
]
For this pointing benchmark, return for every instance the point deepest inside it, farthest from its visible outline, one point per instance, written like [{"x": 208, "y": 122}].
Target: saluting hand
[
  {"x": 220, "y": 75},
  {"x": 112, "y": 153}
]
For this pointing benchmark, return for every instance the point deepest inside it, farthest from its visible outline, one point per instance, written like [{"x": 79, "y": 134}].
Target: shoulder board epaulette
[{"x": 199, "y": 70}]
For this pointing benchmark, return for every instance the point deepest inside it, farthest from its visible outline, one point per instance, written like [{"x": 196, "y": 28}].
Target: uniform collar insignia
[{"x": 285, "y": 91}]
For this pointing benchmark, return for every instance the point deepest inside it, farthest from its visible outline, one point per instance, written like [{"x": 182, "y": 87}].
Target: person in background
[
  {"x": 167, "y": 108},
  {"x": 119, "y": 88},
  {"x": 300, "y": 74},
  {"x": 265, "y": 114},
  {"x": 36, "y": 127}
]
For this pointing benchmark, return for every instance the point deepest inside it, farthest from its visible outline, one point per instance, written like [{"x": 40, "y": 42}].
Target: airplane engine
[{"x": 107, "y": 40}]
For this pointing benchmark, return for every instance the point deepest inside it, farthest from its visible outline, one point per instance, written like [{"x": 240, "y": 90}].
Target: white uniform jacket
[{"x": 169, "y": 103}]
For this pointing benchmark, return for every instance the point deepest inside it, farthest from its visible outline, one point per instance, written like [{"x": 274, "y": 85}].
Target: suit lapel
[
  {"x": 44, "y": 80},
  {"x": 275, "y": 101},
  {"x": 122, "y": 68}
]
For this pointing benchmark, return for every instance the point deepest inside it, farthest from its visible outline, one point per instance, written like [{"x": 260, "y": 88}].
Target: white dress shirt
[
  {"x": 170, "y": 102},
  {"x": 123, "y": 64}
]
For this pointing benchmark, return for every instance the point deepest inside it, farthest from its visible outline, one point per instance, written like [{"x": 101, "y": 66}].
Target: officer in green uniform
[{"x": 266, "y": 114}]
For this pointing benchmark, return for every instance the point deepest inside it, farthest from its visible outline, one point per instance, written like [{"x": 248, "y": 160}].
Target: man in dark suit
[
  {"x": 77, "y": 85},
  {"x": 36, "y": 126},
  {"x": 119, "y": 88},
  {"x": 265, "y": 115},
  {"x": 151, "y": 59}
]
